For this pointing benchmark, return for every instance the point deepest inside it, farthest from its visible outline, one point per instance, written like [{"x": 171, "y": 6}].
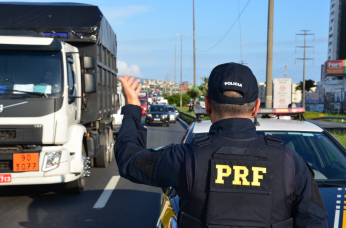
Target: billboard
[
  {"x": 312, "y": 98},
  {"x": 335, "y": 67},
  {"x": 282, "y": 93}
]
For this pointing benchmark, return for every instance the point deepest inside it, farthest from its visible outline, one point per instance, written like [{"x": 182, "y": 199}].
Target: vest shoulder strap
[
  {"x": 201, "y": 142},
  {"x": 273, "y": 141}
]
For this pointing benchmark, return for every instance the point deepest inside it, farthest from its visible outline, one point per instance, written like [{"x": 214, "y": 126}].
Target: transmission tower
[{"x": 305, "y": 47}]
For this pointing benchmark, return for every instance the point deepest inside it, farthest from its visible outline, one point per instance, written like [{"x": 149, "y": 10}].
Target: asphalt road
[{"x": 129, "y": 205}]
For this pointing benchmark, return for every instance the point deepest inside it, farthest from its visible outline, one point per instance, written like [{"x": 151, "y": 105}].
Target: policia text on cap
[{"x": 251, "y": 181}]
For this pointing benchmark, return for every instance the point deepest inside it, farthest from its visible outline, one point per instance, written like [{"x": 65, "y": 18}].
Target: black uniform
[{"x": 209, "y": 175}]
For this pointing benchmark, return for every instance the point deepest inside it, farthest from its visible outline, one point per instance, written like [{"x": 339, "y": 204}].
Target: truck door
[{"x": 72, "y": 103}]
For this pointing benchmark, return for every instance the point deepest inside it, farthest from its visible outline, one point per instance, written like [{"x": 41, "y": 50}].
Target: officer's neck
[{"x": 215, "y": 118}]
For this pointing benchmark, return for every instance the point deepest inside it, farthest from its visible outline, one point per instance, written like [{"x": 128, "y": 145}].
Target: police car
[{"x": 325, "y": 155}]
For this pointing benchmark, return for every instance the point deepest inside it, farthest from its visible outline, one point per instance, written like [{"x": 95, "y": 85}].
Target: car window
[
  {"x": 326, "y": 159},
  {"x": 158, "y": 109},
  {"x": 171, "y": 109},
  {"x": 143, "y": 102}
]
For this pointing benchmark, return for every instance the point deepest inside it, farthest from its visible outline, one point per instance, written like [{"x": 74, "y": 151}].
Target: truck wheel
[
  {"x": 101, "y": 159},
  {"x": 77, "y": 186},
  {"x": 110, "y": 145},
  {"x": 167, "y": 124},
  {"x": 147, "y": 124}
]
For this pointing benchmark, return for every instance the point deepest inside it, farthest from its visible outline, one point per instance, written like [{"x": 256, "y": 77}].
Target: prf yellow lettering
[
  {"x": 238, "y": 175},
  {"x": 221, "y": 174},
  {"x": 256, "y": 175}
]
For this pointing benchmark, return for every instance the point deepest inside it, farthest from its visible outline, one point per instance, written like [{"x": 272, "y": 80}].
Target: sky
[{"x": 146, "y": 32}]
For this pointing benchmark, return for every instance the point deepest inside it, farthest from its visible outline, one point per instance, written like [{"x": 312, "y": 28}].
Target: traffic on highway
[{"x": 89, "y": 140}]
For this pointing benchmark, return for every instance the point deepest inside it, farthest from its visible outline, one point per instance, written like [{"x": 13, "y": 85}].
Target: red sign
[
  {"x": 5, "y": 178},
  {"x": 335, "y": 67}
]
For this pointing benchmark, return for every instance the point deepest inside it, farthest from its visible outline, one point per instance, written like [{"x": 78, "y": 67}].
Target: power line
[{"x": 227, "y": 30}]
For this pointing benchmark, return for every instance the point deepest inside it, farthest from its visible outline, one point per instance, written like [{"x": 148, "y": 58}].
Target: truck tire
[
  {"x": 101, "y": 159},
  {"x": 77, "y": 186},
  {"x": 111, "y": 145},
  {"x": 167, "y": 124}
]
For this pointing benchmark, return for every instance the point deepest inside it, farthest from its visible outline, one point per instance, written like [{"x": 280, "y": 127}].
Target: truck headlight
[
  {"x": 149, "y": 115},
  {"x": 51, "y": 161},
  {"x": 164, "y": 116}
]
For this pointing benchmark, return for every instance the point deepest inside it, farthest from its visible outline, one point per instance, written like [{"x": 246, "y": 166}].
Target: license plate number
[
  {"x": 23, "y": 162},
  {"x": 5, "y": 178},
  {"x": 157, "y": 119}
]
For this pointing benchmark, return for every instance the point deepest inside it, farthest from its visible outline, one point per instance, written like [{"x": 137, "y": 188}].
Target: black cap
[{"x": 232, "y": 76}]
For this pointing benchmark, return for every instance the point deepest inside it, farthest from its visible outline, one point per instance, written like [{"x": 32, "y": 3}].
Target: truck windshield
[{"x": 30, "y": 71}]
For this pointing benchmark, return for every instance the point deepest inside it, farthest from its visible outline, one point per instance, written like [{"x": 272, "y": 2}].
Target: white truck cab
[{"x": 57, "y": 90}]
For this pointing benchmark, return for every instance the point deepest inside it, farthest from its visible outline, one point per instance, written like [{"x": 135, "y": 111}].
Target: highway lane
[{"x": 129, "y": 205}]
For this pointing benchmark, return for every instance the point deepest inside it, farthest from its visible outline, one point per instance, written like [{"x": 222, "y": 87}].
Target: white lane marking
[
  {"x": 184, "y": 123},
  {"x": 338, "y": 201},
  {"x": 107, "y": 192},
  {"x": 339, "y": 189},
  {"x": 338, "y": 196},
  {"x": 336, "y": 219},
  {"x": 338, "y": 207}
]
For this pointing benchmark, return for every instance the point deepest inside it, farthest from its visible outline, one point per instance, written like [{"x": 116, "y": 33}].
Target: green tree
[
  {"x": 175, "y": 99},
  {"x": 193, "y": 93},
  {"x": 204, "y": 86},
  {"x": 309, "y": 84}
]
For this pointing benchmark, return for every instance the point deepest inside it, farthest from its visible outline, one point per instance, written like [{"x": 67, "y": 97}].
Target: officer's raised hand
[{"x": 129, "y": 89}]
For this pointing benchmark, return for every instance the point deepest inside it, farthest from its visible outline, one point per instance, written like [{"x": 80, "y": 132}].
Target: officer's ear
[
  {"x": 207, "y": 104},
  {"x": 256, "y": 108}
]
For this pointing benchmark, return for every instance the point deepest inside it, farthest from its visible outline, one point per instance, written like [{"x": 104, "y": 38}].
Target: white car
[{"x": 325, "y": 155}]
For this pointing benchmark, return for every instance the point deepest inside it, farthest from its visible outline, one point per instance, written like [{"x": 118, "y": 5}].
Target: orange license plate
[{"x": 23, "y": 162}]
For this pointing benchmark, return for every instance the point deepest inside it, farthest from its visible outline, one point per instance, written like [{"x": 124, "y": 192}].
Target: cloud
[
  {"x": 132, "y": 70},
  {"x": 118, "y": 14}
]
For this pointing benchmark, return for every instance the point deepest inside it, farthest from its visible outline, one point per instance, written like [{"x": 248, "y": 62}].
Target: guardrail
[
  {"x": 188, "y": 118},
  {"x": 330, "y": 118}
]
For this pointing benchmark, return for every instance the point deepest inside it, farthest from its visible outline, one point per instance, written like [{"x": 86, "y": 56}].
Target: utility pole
[
  {"x": 172, "y": 78},
  {"x": 285, "y": 70},
  {"x": 194, "y": 48},
  {"x": 304, "y": 34},
  {"x": 175, "y": 63},
  {"x": 181, "y": 69},
  {"x": 269, "y": 78}
]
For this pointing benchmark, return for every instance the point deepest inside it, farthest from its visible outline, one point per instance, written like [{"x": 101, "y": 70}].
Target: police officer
[{"x": 232, "y": 177}]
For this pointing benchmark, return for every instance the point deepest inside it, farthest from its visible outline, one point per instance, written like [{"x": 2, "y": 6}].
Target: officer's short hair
[{"x": 222, "y": 109}]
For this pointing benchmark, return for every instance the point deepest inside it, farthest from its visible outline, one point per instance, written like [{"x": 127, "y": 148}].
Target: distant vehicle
[
  {"x": 172, "y": 114},
  {"x": 320, "y": 150},
  {"x": 143, "y": 99},
  {"x": 157, "y": 114},
  {"x": 200, "y": 104},
  {"x": 163, "y": 101},
  {"x": 118, "y": 117}
]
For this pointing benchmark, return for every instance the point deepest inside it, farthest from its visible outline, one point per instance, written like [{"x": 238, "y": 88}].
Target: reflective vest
[{"x": 238, "y": 183}]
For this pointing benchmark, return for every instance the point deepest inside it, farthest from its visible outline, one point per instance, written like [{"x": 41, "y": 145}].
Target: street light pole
[
  {"x": 175, "y": 63},
  {"x": 181, "y": 69},
  {"x": 194, "y": 48}
]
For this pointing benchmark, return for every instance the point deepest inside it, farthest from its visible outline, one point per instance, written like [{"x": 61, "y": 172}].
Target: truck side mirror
[
  {"x": 89, "y": 83},
  {"x": 88, "y": 62}
]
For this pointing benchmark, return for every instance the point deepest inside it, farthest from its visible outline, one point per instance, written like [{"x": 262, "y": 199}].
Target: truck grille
[{"x": 7, "y": 134}]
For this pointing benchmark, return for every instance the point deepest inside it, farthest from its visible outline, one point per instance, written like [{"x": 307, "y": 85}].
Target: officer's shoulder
[
  {"x": 273, "y": 141},
  {"x": 201, "y": 141}
]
